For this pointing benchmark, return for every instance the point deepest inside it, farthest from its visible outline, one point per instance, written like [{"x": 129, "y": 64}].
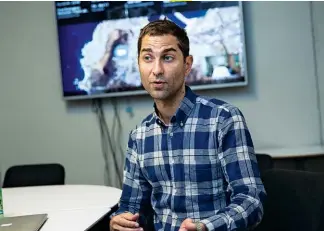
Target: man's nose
[{"x": 157, "y": 69}]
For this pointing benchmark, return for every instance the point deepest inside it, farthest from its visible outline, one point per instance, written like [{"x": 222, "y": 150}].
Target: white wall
[{"x": 36, "y": 125}]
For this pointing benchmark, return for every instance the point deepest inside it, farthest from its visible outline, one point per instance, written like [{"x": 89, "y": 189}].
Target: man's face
[{"x": 162, "y": 66}]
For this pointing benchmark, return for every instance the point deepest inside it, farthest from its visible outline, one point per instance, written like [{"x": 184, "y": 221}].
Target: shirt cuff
[
  {"x": 218, "y": 223},
  {"x": 119, "y": 211}
]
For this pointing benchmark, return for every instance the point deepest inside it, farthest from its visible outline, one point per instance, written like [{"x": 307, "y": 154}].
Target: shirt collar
[{"x": 184, "y": 110}]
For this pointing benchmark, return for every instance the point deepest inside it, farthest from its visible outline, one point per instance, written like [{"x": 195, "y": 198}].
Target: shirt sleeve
[
  {"x": 244, "y": 186},
  {"x": 136, "y": 189}
]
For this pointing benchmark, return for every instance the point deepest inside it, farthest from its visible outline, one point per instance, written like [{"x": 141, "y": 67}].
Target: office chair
[
  {"x": 265, "y": 162},
  {"x": 294, "y": 202},
  {"x": 34, "y": 175}
]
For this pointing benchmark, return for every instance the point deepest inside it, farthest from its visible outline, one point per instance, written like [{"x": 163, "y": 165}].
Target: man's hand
[
  {"x": 125, "y": 222},
  {"x": 190, "y": 225}
]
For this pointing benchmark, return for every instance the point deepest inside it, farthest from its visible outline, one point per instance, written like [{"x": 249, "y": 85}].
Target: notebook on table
[{"x": 23, "y": 223}]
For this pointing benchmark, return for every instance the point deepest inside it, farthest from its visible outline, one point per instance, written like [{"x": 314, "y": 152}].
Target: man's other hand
[
  {"x": 190, "y": 225},
  {"x": 125, "y": 222}
]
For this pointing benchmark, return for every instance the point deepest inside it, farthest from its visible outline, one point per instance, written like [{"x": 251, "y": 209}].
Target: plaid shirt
[{"x": 201, "y": 166}]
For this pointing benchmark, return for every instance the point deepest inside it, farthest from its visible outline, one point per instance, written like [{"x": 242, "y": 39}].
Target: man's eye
[
  {"x": 168, "y": 58},
  {"x": 147, "y": 58}
]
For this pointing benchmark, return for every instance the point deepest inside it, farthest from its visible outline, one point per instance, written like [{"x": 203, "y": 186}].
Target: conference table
[{"x": 69, "y": 207}]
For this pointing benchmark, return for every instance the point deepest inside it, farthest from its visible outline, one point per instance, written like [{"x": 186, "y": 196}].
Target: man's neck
[{"x": 167, "y": 108}]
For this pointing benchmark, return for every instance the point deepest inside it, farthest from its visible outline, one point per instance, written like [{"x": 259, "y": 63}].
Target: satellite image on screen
[{"x": 99, "y": 54}]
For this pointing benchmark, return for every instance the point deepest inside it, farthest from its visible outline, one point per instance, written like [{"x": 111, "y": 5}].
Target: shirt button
[
  {"x": 171, "y": 134},
  {"x": 181, "y": 124}
]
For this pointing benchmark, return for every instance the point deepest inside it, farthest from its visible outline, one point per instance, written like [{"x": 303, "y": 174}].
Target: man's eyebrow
[
  {"x": 146, "y": 50},
  {"x": 168, "y": 50},
  {"x": 164, "y": 51}
]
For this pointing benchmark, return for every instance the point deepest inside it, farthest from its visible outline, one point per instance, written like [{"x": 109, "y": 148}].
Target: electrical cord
[
  {"x": 120, "y": 127},
  {"x": 106, "y": 136},
  {"x": 318, "y": 96}
]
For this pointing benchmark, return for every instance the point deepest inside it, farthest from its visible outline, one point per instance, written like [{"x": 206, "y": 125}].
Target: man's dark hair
[{"x": 165, "y": 27}]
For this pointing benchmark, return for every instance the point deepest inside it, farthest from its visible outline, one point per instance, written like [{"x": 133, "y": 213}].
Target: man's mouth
[{"x": 158, "y": 84}]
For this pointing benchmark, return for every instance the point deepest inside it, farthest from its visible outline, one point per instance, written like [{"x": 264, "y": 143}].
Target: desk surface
[
  {"x": 58, "y": 198},
  {"x": 69, "y": 207}
]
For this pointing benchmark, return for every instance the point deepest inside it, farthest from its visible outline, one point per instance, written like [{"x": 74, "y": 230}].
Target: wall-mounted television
[{"x": 98, "y": 44}]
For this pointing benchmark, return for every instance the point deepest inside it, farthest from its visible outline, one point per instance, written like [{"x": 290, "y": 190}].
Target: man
[{"x": 192, "y": 160}]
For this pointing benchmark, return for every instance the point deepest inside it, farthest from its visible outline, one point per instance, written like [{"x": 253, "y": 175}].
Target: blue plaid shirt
[{"x": 201, "y": 166}]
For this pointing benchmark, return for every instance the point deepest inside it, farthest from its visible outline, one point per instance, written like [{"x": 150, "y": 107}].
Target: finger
[
  {"x": 186, "y": 221},
  {"x": 189, "y": 220},
  {"x": 130, "y": 216},
  {"x": 191, "y": 226},
  {"x": 121, "y": 221},
  {"x": 135, "y": 217},
  {"x": 121, "y": 228},
  {"x": 183, "y": 226}
]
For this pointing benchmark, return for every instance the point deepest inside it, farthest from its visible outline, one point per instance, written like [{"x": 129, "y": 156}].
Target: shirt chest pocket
[{"x": 204, "y": 177}]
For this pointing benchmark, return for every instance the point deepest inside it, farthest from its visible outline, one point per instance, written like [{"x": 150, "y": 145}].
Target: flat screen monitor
[{"x": 98, "y": 44}]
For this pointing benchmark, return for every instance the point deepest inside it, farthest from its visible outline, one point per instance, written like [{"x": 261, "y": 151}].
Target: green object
[{"x": 1, "y": 204}]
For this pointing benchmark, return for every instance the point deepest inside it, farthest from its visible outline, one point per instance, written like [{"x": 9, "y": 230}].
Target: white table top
[
  {"x": 59, "y": 197},
  {"x": 69, "y": 207}
]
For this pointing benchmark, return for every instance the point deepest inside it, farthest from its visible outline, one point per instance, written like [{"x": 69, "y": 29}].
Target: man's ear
[{"x": 188, "y": 64}]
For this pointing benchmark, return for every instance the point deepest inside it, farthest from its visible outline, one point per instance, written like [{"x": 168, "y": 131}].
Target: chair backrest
[
  {"x": 34, "y": 175},
  {"x": 294, "y": 201},
  {"x": 265, "y": 162}
]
